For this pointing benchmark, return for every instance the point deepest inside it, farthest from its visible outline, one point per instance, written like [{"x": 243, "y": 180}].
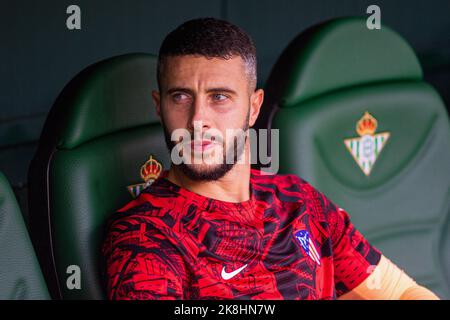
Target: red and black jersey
[{"x": 288, "y": 241}]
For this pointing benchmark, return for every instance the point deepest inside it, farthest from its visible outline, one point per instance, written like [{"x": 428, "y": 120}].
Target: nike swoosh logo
[{"x": 229, "y": 275}]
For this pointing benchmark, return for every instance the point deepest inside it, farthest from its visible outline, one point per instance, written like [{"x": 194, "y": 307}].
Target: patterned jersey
[{"x": 288, "y": 241}]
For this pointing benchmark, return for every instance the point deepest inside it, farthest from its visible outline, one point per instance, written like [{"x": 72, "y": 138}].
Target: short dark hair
[{"x": 211, "y": 38}]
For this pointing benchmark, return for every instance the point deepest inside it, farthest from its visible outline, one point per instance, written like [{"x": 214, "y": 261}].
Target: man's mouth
[{"x": 201, "y": 145}]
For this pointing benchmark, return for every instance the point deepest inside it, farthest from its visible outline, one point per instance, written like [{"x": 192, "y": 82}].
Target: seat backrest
[
  {"x": 100, "y": 131},
  {"x": 20, "y": 274},
  {"x": 358, "y": 122}
]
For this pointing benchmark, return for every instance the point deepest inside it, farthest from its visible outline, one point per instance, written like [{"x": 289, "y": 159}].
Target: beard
[{"x": 210, "y": 172}]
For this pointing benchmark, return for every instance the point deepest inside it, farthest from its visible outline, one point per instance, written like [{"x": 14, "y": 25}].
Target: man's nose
[{"x": 199, "y": 115}]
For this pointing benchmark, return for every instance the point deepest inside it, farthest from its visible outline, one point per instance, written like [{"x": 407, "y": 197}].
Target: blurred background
[{"x": 40, "y": 55}]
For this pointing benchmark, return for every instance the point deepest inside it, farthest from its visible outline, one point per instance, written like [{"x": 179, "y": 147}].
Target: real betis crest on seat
[
  {"x": 150, "y": 171},
  {"x": 366, "y": 148}
]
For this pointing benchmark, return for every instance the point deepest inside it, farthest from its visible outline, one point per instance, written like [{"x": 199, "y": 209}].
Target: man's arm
[
  {"x": 141, "y": 264},
  {"x": 361, "y": 271},
  {"x": 388, "y": 282},
  {"x": 147, "y": 276}
]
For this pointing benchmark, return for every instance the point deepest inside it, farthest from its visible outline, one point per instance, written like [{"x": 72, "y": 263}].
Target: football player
[{"x": 211, "y": 227}]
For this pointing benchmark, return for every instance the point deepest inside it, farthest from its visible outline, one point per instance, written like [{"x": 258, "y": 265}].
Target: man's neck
[{"x": 234, "y": 186}]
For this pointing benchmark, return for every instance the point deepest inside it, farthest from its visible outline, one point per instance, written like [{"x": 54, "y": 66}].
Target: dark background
[{"x": 40, "y": 55}]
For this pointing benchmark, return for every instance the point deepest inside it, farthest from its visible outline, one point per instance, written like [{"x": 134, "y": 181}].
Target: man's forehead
[
  {"x": 194, "y": 59},
  {"x": 183, "y": 70}
]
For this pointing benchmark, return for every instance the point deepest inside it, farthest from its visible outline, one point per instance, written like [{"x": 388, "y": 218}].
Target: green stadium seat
[
  {"x": 20, "y": 274},
  {"x": 358, "y": 122},
  {"x": 102, "y": 128}
]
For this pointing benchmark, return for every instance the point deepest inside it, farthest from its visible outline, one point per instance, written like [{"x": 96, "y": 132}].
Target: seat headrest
[
  {"x": 109, "y": 96},
  {"x": 338, "y": 54}
]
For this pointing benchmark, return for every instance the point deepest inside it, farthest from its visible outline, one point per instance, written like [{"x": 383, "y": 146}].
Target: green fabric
[
  {"x": 20, "y": 273},
  {"x": 99, "y": 133},
  {"x": 338, "y": 54},
  {"x": 321, "y": 125},
  {"x": 111, "y": 96},
  {"x": 87, "y": 185},
  {"x": 403, "y": 206}
]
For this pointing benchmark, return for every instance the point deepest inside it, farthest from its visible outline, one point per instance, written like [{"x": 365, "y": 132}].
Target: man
[{"x": 211, "y": 228}]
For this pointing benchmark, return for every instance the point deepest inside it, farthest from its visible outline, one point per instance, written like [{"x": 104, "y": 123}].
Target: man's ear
[
  {"x": 256, "y": 101},
  {"x": 157, "y": 101}
]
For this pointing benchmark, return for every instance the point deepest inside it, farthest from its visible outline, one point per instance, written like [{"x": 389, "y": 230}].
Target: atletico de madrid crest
[
  {"x": 307, "y": 244},
  {"x": 367, "y": 147},
  {"x": 150, "y": 171}
]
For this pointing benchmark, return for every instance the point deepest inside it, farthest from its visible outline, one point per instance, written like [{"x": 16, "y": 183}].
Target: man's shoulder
[
  {"x": 140, "y": 220},
  {"x": 292, "y": 188},
  {"x": 281, "y": 180},
  {"x": 153, "y": 201},
  {"x": 150, "y": 207}
]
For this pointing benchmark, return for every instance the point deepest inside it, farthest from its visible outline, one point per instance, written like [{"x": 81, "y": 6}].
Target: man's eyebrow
[
  {"x": 221, "y": 89},
  {"x": 179, "y": 89},
  {"x": 189, "y": 91}
]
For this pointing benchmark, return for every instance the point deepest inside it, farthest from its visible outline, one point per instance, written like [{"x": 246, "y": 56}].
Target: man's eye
[
  {"x": 179, "y": 97},
  {"x": 219, "y": 97}
]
